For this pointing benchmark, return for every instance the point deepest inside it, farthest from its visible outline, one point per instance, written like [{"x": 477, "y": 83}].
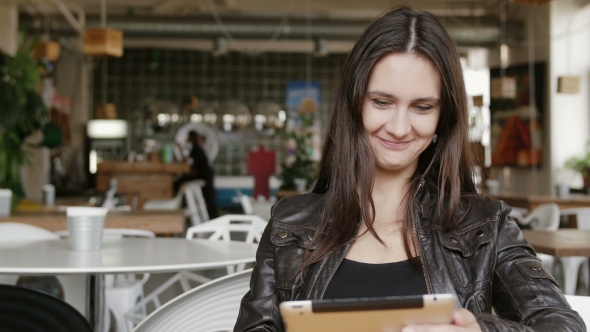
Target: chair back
[
  {"x": 211, "y": 307},
  {"x": 544, "y": 217},
  {"x": 221, "y": 228},
  {"x": 166, "y": 203},
  {"x": 195, "y": 202},
  {"x": 110, "y": 200},
  {"x": 581, "y": 305},
  {"x": 24, "y": 309},
  {"x": 15, "y": 231},
  {"x": 582, "y": 216},
  {"x": 246, "y": 203}
]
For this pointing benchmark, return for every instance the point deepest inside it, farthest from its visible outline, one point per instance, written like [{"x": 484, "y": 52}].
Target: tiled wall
[{"x": 142, "y": 75}]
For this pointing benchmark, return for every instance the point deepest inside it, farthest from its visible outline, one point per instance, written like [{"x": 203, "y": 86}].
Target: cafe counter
[{"x": 139, "y": 181}]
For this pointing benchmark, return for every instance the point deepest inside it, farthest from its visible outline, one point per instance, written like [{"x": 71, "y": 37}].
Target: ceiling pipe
[{"x": 466, "y": 31}]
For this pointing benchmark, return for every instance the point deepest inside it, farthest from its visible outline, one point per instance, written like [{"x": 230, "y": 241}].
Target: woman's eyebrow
[{"x": 381, "y": 93}]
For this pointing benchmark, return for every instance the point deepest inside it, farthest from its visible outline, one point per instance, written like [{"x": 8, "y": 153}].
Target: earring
[{"x": 434, "y": 138}]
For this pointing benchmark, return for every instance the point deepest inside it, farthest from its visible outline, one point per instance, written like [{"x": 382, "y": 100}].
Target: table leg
[{"x": 95, "y": 303}]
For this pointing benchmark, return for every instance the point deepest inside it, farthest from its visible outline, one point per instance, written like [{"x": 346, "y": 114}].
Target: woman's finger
[{"x": 463, "y": 317}]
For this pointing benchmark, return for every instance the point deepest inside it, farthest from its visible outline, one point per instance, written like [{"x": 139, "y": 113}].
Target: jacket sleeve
[
  {"x": 259, "y": 309},
  {"x": 525, "y": 296}
]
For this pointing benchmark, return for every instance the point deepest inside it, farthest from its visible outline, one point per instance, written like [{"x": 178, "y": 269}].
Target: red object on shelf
[{"x": 261, "y": 164}]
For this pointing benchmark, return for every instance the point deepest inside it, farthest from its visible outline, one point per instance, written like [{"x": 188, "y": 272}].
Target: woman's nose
[{"x": 399, "y": 123}]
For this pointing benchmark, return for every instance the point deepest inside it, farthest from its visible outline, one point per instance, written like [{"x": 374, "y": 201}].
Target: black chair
[{"x": 24, "y": 309}]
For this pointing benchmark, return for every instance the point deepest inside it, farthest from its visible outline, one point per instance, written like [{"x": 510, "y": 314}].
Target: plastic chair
[
  {"x": 24, "y": 309},
  {"x": 571, "y": 265},
  {"x": 213, "y": 306},
  {"x": 196, "y": 209},
  {"x": 255, "y": 207},
  {"x": 122, "y": 291},
  {"x": 195, "y": 202},
  {"x": 581, "y": 305},
  {"x": 216, "y": 229},
  {"x": 74, "y": 287},
  {"x": 110, "y": 200},
  {"x": 518, "y": 213},
  {"x": 544, "y": 217}
]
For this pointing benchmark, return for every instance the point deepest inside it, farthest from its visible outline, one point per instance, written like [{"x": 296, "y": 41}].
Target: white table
[{"x": 127, "y": 255}]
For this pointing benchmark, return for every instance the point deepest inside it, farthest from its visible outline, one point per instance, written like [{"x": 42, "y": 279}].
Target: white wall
[
  {"x": 8, "y": 26},
  {"x": 570, "y": 54}
]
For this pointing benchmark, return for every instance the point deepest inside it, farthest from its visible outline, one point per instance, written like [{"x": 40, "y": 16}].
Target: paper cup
[
  {"x": 5, "y": 202},
  {"x": 49, "y": 195},
  {"x": 85, "y": 225}
]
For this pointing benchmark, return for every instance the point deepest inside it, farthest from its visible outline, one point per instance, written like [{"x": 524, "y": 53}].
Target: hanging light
[{"x": 235, "y": 115}]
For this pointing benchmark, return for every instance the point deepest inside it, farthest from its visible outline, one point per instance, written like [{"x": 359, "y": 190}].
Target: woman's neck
[{"x": 389, "y": 192}]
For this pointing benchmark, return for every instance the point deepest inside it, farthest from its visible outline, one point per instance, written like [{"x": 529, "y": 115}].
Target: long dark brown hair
[{"x": 346, "y": 171}]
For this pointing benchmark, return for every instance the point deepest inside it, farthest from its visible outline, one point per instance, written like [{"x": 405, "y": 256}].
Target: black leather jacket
[{"x": 486, "y": 262}]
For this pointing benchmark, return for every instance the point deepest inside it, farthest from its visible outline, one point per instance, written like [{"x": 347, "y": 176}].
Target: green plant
[
  {"x": 22, "y": 111},
  {"x": 298, "y": 163},
  {"x": 581, "y": 164}
]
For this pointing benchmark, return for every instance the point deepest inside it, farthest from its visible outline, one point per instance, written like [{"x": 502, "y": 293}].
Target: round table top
[{"x": 127, "y": 255}]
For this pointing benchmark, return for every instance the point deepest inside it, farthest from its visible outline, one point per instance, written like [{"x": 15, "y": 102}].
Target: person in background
[
  {"x": 201, "y": 169},
  {"x": 395, "y": 210}
]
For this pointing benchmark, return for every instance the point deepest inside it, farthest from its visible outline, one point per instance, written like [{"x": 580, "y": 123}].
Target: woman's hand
[{"x": 463, "y": 321}]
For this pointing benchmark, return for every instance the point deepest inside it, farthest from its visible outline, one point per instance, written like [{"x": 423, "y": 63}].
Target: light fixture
[{"x": 106, "y": 129}]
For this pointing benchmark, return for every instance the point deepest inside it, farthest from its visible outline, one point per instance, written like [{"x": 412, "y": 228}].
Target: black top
[
  {"x": 356, "y": 279},
  {"x": 201, "y": 164}
]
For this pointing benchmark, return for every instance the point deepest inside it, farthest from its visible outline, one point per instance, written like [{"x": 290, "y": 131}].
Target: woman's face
[{"x": 401, "y": 110}]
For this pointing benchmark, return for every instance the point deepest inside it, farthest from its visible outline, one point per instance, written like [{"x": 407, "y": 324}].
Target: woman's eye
[
  {"x": 423, "y": 108},
  {"x": 380, "y": 103}
]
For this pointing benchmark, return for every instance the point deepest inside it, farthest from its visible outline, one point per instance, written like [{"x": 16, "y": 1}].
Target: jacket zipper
[{"x": 420, "y": 247}]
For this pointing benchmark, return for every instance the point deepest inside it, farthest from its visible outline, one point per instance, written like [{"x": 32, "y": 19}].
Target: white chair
[
  {"x": 255, "y": 207},
  {"x": 581, "y": 304},
  {"x": 211, "y": 307},
  {"x": 544, "y": 217},
  {"x": 196, "y": 209},
  {"x": 216, "y": 229},
  {"x": 122, "y": 291},
  {"x": 571, "y": 265},
  {"x": 110, "y": 200},
  {"x": 195, "y": 202},
  {"x": 518, "y": 213},
  {"x": 74, "y": 287}
]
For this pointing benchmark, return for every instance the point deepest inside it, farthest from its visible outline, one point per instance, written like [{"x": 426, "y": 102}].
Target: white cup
[
  {"x": 300, "y": 184},
  {"x": 49, "y": 194},
  {"x": 5, "y": 201},
  {"x": 85, "y": 225},
  {"x": 493, "y": 187},
  {"x": 563, "y": 190}
]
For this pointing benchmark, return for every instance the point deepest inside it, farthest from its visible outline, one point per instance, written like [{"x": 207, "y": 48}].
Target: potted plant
[
  {"x": 581, "y": 164},
  {"x": 298, "y": 166},
  {"x": 22, "y": 112}
]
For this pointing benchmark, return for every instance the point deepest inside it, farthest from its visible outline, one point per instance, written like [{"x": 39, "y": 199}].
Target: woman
[{"x": 395, "y": 210}]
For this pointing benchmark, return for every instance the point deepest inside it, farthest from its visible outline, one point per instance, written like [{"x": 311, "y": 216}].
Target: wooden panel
[
  {"x": 560, "y": 243},
  {"x": 159, "y": 222},
  {"x": 143, "y": 180},
  {"x": 142, "y": 167}
]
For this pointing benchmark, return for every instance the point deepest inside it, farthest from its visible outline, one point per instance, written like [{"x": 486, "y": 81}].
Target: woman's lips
[{"x": 394, "y": 145}]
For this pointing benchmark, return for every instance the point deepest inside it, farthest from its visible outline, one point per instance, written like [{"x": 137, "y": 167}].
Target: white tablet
[{"x": 371, "y": 314}]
